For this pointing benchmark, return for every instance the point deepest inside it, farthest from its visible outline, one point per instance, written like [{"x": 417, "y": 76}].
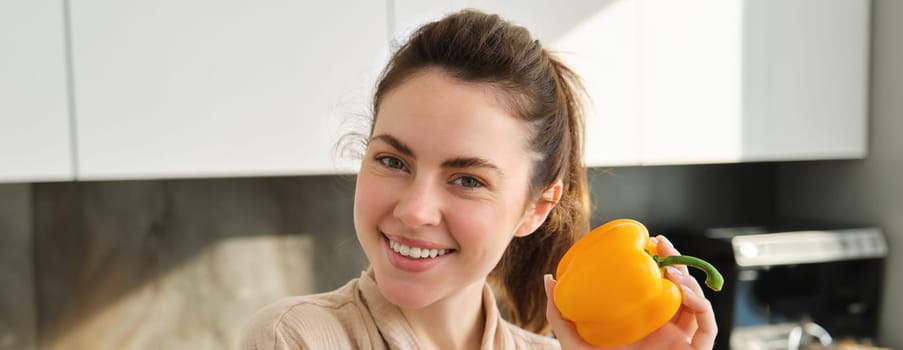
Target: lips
[{"x": 413, "y": 255}]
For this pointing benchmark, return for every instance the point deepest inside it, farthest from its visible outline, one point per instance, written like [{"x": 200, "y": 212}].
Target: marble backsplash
[
  {"x": 182, "y": 264},
  {"x": 178, "y": 264}
]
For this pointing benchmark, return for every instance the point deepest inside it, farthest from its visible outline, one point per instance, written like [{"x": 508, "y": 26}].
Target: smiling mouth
[{"x": 417, "y": 252}]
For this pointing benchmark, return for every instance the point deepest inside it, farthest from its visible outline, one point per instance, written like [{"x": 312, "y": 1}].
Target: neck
[{"x": 456, "y": 322}]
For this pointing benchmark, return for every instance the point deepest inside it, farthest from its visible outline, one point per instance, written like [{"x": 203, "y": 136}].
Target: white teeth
[{"x": 416, "y": 252}]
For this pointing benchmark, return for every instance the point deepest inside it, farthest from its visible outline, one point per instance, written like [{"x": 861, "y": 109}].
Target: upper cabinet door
[
  {"x": 703, "y": 81},
  {"x": 597, "y": 39},
  {"x": 34, "y": 115},
  {"x": 221, "y": 88},
  {"x": 753, "y": 80},
  {"x": 806, "y": 80}
]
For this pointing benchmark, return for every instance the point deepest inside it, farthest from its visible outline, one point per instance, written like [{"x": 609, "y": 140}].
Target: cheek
[
  {"x": 370, "y": 200},
  {"x": 486, "y": 226},
  {"x": 364, "y": 200}
]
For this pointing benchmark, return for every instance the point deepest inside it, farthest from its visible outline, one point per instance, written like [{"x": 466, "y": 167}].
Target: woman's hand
[{"x": 692, "y": 327}]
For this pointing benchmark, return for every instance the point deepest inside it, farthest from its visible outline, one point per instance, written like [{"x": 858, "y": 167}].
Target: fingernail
[
  {"x": 547, "y": 281},
  {"x": 686, "y": 290},
  {"x": 668, "y": 242},
  {"x": 673, "y": 271}
]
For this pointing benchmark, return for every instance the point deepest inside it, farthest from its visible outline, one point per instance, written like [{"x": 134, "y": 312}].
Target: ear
[{"x": 537, "y": 212}]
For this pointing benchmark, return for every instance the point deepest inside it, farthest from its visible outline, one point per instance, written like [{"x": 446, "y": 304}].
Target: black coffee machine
[{"x": 785, "y": 288}]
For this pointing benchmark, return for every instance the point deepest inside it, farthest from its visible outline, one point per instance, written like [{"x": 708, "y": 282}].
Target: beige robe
[{"x": 357, "y": 316}]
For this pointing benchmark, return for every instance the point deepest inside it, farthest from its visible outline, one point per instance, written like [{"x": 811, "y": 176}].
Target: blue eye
[
  {"x": 469, "y": 182},
  {"x": 391, "y": 162}
]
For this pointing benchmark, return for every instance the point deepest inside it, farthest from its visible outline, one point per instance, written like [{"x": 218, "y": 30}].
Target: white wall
[{"x": 869, "y": 190}]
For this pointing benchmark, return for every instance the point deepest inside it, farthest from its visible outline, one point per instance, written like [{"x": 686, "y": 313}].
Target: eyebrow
[
  {"x": 457, "y": 162},
  {"x": 395, "y": 143},
  {"x": 472, "y": 162}
]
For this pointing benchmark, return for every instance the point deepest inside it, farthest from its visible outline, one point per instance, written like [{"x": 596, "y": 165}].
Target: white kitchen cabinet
[
  {"x": 35, "y": 140},
  {"x": 598, "y": 39},
  {"x": 704, "y": 81},
  {"x": 240, "y": 88},
  {"x": 753, "y": 80},
  {"x": 221, "y": 88}
]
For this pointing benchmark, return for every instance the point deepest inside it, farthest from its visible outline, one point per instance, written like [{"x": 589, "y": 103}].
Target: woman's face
[{"x": 442, "y": 189}]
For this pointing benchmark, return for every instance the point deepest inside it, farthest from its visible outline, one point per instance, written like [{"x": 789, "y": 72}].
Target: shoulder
[
  {"x": 306, "y": 321},
  {"x": 524, "y": 339}
]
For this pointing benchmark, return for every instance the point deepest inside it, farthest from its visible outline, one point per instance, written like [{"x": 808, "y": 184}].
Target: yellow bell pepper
[{"x": 611, "y": 284}]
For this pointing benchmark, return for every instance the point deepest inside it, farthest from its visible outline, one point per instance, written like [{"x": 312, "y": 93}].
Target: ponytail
[{"x": 519, "y": 273}]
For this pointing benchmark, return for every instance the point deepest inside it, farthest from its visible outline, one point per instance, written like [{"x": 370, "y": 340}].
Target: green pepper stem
[{"x": 713, "y": 278}]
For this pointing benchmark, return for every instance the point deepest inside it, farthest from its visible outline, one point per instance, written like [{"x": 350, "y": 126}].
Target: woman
[{"x": 472, "y": 176}]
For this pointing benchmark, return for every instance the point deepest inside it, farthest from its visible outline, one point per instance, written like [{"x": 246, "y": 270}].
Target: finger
[
  {"x": 669, "y": 337},
  {"x": 563, "y": 329},
  {"x": 666, "y": 248},
  {"x": 686, "y": 321},
  {"x": 664, "y": 245},
  {"x": 695, "y": 302},
  {"x": 551, "y": 309},
  {"x": 706, "y": 331},
  {"x": 707, "y": 328},
  {"x": 683, "y": 278}
]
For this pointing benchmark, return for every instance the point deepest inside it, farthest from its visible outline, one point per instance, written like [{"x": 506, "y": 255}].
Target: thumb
[
  {"x": 552, "y": 313},
  {"x": 564, "y": 330},
  {"x": 551, "y": 309}
]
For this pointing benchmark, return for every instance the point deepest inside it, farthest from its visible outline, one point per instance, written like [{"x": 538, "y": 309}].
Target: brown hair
[{"x": 472, "y": 46}]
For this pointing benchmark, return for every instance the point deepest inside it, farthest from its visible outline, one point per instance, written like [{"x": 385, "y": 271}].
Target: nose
[{"x": 419, "y": 204}]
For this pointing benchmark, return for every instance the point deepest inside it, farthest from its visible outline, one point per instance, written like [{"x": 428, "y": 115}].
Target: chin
[{"x": 405, "y": 294}]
